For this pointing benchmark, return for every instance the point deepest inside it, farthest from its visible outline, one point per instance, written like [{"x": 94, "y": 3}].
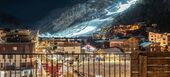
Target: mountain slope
[{"x": 86, "y": 18}]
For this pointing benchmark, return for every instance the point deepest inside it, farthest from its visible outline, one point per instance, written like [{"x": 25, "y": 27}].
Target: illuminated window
[{"x": 15, "y": 48}]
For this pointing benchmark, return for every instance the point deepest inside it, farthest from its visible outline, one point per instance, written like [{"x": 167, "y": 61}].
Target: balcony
[
  {"x": 65, "y": 65},
  {"x": 85, "y": 65}
]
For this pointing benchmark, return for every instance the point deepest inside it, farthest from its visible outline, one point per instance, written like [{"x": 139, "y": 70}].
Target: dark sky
[{"x": 30, "y": 11}]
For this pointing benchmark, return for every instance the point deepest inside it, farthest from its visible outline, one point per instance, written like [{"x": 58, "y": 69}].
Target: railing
[
  {"x": 65, "y": 65},
  {"x": 150, "y": 64}
]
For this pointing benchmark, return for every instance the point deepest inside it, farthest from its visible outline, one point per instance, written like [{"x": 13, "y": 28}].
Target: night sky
[{"x": 29, "y": 12}]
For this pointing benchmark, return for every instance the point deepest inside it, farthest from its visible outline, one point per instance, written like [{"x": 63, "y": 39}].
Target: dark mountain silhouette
[{"x": 9, "y": 21}]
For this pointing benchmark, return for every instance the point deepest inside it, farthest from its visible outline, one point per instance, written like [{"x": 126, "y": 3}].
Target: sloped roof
[
  {"x": 110, "y": 50},
  {"x": 89, "y": 47},
  {"x": 145, "y": 44}
]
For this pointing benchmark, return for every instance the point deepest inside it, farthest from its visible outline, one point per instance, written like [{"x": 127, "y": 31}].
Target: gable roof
[{"x": 89, "y": 47}]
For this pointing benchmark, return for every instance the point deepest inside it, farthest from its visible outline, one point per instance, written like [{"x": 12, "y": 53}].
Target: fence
[
  {"x": 85, "y": 65},
  {"x": 156, "y": 64},
  {"x": 64, "y": 65}
]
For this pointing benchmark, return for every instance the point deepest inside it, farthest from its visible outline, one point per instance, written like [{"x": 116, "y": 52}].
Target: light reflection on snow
[
  {"x": 91, "y": 26},
  {"x": 123, "y": 7},
  {"x": 85, "y": 30}
]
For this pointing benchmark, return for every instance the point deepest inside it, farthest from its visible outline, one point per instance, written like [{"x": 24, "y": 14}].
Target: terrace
[{"x": 84, "y": 65}]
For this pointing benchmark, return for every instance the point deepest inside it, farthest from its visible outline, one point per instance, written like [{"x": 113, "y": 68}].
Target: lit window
[{"x": 15, "y": 48}]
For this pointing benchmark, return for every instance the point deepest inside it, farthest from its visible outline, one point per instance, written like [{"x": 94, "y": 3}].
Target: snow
[
  {"x": 98, "y": 20},
  {"x": 145, "y": 44}
]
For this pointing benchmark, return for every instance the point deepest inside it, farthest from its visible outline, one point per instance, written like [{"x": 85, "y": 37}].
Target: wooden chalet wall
[{"x": 156, "y": 64}]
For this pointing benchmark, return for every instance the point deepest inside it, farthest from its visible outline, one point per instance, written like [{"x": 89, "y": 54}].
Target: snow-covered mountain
[{"x": 84, "y": 19}]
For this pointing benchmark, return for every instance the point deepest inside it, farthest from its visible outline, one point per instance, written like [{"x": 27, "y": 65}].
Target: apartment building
[
  {"x": 15, "y": 58},
  {"x": 162, "y": 38}
]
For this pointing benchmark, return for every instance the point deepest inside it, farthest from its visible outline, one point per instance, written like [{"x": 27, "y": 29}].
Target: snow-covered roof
[
  {"x": 100, "y": 41},
  {"x": 145, "y": 44},
  {"x": 89, "y": 47}
]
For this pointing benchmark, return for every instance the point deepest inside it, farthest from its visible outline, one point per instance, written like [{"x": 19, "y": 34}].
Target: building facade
[
  {"x": 16, "y": 59},
  {"x": 2, "y": 34},
  {"x": 69, "y": 47},
  {"x": 128, "y": 45},
  {"x": 162, "y": 38}
]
